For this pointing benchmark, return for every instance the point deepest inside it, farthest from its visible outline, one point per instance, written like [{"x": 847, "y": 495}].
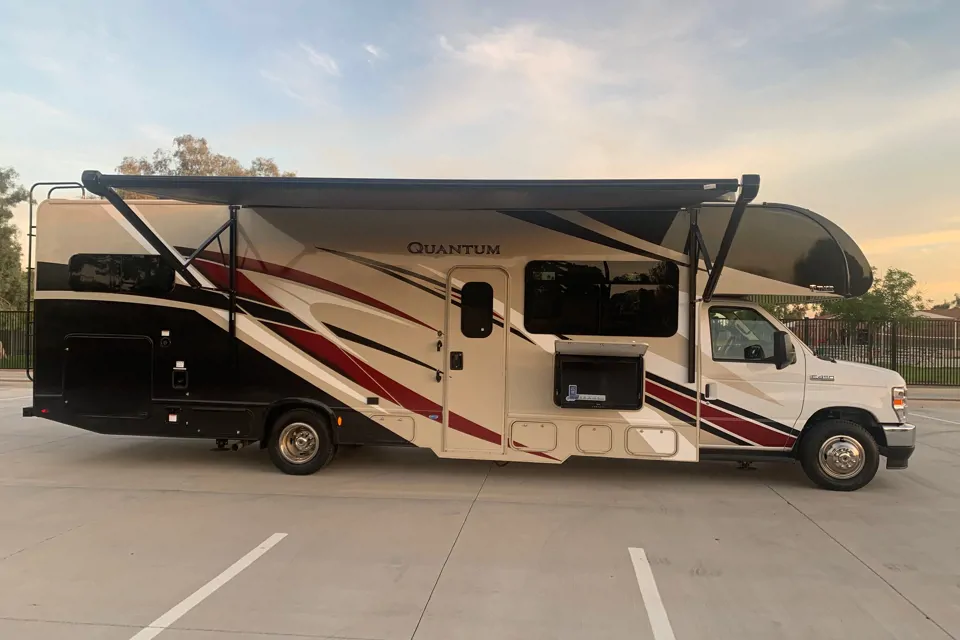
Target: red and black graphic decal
[
  {"x": 313, "y": 281},
  {"x": 727, "y": 421},
  {"x": 554, "y": 222},
  {"x": 366, "y": 376},
  {"x": 406, "y": 276}
]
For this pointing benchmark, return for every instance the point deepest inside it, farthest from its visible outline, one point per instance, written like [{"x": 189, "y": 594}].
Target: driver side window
[{"x": 739, "y": 334}]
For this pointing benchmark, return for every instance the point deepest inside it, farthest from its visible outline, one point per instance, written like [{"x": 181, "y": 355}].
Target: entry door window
[
  {"x": 739, "y": 334},
  {"x": 476, "y": 309}
]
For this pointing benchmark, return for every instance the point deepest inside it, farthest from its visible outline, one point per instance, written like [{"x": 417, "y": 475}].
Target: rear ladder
[{"x": 31, "y": 234}]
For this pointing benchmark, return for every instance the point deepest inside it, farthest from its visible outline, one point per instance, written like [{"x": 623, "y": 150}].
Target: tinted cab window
[{"x": 740, "y": 334}]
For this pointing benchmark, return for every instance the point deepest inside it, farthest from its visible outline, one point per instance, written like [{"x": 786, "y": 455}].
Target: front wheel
[
  {"x": 300, "y": 442},
  {"x": 839, "y": 455}
]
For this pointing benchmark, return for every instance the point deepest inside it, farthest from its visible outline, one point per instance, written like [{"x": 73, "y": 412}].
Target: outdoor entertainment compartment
[{"x": 598, "y": 375}]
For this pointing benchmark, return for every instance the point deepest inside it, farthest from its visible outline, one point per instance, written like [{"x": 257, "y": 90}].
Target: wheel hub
[
  {"x": 841, "y": 457},
  {"x": 302, "y": 442},
  {"x": 299, "y": 443}
]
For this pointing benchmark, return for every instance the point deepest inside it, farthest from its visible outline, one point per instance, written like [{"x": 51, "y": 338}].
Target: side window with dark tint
[
  {"x": 116, "y": 273},
  {"x": 476, "y": 309},
  {"x": 613, "y": 298}
]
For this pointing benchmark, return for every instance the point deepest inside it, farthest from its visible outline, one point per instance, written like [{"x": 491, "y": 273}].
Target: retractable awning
[
  {"x": 778, "y": 242},
  {"x": 401, "y": 194}
]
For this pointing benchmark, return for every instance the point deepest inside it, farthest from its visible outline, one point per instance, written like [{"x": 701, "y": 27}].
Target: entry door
[
  {"x": 476, "y": 359},
  {"x": 750, "y": 402}
]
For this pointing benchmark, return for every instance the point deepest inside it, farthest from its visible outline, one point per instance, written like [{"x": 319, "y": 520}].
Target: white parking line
[
  {"x": 659, "y": 621},
  {"x": 920, "y": 415},
  {"x": 154, "y": 629}
]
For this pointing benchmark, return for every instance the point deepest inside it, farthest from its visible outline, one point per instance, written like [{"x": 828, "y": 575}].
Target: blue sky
[{"x": 848, "y": 107}]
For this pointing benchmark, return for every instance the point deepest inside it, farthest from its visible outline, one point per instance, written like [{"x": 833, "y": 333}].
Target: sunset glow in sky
[{"x": 847, "y": 107}]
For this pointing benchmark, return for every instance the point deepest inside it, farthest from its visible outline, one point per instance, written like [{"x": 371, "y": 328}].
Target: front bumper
[{"x": 901, "y": 442}]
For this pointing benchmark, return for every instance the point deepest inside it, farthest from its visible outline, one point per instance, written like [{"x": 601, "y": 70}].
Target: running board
[{"x": 744, "y": 455}]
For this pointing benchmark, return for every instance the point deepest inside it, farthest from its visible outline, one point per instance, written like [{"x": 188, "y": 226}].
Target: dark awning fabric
[
  {"x": 789, "y": 244},
  {"x": 364, "y": 193}
]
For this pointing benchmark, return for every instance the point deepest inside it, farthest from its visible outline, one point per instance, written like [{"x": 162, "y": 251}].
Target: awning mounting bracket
[{"x": 697, "y": 251}]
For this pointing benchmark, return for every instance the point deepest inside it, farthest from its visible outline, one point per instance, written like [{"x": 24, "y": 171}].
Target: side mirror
[
  {"x": 753, "y": 352},
  {"x": 784, "y": 353}
]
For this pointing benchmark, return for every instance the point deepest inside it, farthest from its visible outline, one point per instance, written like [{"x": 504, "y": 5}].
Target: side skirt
[{"x": 719, "y": 454}]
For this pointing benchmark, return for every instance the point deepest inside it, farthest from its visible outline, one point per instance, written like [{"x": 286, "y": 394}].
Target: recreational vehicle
[{"x": 497, "y": 320}]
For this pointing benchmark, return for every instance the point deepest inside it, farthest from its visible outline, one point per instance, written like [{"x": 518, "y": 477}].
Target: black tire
[
  {"x": 841, "y": 435},
  {"x": 312, "y": 426}
]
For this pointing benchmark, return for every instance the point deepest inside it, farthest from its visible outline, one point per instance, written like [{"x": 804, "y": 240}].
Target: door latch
[
  {"x": 710, "y": 392},
  {"x": 456, "y": 361}
]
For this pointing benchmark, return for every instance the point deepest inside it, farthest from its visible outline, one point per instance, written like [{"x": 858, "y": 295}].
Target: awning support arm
[
  {"x": 702, "y": 244},
  {"x": 206, "y": 243},
  {"x": 91, "y": 180},
  {"x": 232, "y": 223},
  {"x": 749, "y": 187},
  {"x": 694, "y": 243},
  {"x": 697, "y": 248}
]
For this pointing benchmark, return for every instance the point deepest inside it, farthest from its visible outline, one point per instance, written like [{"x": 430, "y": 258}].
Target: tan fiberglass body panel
[{"x": 373, "y": 275}]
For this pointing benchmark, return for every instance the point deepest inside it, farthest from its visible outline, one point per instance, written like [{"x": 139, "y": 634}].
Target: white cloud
[
  {"x": 656, "y": 89},
  {"x": 282, "y": 83},
  {"x": 294, "y": 71},
  {"x": 20, "y": 106},
  {"x": 322, "y": 60},
  {"x": 156, "y": 134},
  {"x": 45, "y": 63},
  {"x": 523, "y": 49}
]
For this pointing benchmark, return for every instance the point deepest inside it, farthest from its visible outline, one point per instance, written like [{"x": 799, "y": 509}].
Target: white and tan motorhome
[{"x": 497, "y": 320}]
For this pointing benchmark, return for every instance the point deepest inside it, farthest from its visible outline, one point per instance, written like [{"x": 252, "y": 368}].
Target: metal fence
[
  {"x": 924, "y": 352},
  {"x": 13, "y": 340}
]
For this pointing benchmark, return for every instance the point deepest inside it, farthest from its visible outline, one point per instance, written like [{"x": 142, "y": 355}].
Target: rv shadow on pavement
[{"x": 199, "y": 457}]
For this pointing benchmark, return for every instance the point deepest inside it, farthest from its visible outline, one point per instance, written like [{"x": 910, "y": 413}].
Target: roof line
[{"x": 420, "y": 194}]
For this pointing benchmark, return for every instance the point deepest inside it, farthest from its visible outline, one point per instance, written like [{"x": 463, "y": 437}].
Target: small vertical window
[{"x": 476, "y": 309}]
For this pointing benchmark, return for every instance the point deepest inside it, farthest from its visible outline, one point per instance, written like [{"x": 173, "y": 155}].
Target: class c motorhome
[{"x": 496, "y": 320}]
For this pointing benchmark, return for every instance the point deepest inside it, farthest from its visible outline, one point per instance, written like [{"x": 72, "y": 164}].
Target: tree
[
  {"x": 892, "y": 297},
  {"x": 786, "y": 311},
  {"x": 12, "y": 278},
  {"x": 947, "y": 304},
  {"x": 191, "y": 156}
]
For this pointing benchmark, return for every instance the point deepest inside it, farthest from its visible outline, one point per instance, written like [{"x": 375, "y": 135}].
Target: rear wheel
[
  {"x": 839, "y": 455},
  {"x": 300, "y": 442}
]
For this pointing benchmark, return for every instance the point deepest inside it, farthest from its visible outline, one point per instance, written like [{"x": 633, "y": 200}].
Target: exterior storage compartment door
[{"x": 108, "y": 376}]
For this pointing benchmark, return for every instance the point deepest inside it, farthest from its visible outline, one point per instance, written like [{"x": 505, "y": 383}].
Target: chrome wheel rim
[
  {"x": 299, "y": 443},
  {"x": 842, "y": 457}
]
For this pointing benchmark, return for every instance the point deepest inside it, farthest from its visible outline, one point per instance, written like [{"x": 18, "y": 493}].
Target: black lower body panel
[{"x": 152, "y": 370}]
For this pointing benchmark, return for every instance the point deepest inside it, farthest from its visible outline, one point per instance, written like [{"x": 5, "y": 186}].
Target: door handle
[
  {"x": 710, "y": 392},
  {"x": 456, "y": 361}
]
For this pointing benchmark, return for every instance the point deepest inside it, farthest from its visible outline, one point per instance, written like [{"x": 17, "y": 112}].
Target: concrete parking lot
[{"x": 102, "y": 537}]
